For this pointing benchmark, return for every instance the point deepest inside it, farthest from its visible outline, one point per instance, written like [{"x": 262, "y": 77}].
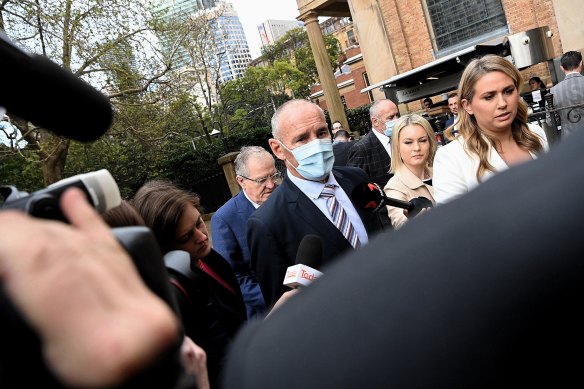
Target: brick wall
[
  {"x": 527, "y": 14},
  {"x": 411, "y": 41},
  {"x": 408, "y": 32}
]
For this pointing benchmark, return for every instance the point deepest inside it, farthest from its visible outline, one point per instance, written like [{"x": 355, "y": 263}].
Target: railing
[{"x": 550, "y": 117}]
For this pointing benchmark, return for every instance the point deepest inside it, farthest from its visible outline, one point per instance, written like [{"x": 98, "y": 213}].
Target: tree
[
  {"x": 88, "y": 38},
  {"x": 294, "y": 48}
]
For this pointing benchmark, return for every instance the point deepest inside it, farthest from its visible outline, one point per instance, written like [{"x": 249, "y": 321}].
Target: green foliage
[
  {"x": 22, "y": 171},
  {"x": 358, "y": 118},
  {"x": 294, "y": 48}
]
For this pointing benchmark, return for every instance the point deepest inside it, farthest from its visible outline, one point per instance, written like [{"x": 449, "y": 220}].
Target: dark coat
[
  {"x": 211, "y": 314},
  {"x": 341, "y": 152},
  {"x": 276, "y": 228},
  {"x": 369, "y": 154}
]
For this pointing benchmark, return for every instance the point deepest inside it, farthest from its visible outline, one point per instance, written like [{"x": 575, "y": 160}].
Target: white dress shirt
[
  {"x": 313, "y": 189},
  {"x": 384, "y": 139}
]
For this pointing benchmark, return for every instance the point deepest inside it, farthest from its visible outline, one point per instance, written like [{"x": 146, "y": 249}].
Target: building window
[
  {"x": 344, "y": 101},
  {"x": 459, "y": 24},
  {"x": 351, "y": 38},
  {"x": 366, "y": 79}
]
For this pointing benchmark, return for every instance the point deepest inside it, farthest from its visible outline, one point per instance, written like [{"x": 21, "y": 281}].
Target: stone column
[
  {"x": 323, "y": 66},
  {"x": 226, "y": 163},
  {"x": 374, "y": 42}
]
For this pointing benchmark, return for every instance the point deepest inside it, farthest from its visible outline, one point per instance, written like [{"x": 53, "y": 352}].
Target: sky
[{"x": 253, "y": 12}]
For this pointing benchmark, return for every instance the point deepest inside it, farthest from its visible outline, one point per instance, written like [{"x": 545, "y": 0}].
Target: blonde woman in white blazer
[
  {"x": 493, "y": 129},
  {"x": 413, "y": 147}
]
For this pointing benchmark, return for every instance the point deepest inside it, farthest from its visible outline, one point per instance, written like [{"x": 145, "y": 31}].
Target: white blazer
[{"x": 455, "y": 170}]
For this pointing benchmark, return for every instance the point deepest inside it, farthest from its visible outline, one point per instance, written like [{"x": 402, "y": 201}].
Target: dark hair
[
  {"x": 538, "y": 80},
  {"x": 570, "y": 60},
  {"x": 162, "y": 204},
  {"x": 341, "y": 134},
  {"x": 427, "y": 100},
  {"x": 124, "y": 215},
  {"x": 451, "y": 95}
]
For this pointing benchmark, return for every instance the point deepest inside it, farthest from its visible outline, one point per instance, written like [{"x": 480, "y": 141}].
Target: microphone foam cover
[
  {"x": 50, "y": 96},
  {"x": 367, "y": 196},
  {"x": 310, "y": 251}
]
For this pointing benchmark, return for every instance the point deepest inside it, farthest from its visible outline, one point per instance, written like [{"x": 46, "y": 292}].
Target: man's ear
[
  {"x": 277, "y": 148},
  {"x": 240, "y": 181},
  {"x": 466, "y": 106}
]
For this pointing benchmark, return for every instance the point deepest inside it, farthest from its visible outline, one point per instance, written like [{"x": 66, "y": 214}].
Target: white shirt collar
[
  {"x": 384, "y": 139},
  {"x": 312, "y": 189},
  {"x": 255, "y": 205}
]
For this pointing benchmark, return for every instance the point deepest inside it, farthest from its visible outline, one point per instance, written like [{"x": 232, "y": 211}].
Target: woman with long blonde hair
[
  {"x": 493, "y": 129},
  {"x": 413, "y": 147}
]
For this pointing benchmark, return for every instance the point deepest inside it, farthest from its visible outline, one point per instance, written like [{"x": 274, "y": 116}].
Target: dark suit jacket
[
  {"x": 498, "y": 308},
  {"x": 341, "y": 152},
  {"x": 449, "y": 122},
  {"x": 275, "y": 230},
  {"x": 229, "y": 234},
  {"x": 369, "y": 154}
]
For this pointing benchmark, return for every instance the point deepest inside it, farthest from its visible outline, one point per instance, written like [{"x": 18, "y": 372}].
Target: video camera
[
  {"x": 99, "y": 187},
  {"x": 38, "y": 90}
]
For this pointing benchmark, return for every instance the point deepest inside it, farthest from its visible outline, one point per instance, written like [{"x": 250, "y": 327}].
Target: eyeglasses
[{"x": 276, "y": 178}]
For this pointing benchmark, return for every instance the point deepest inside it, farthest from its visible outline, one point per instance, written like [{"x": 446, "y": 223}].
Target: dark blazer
[
  {"x": 211, "y": 314},
  {"x": 449, "y": 122},
  {"x": 369, "y": 154},
  {"x": 229, "y": 234},
  {"x": 341, "y": 152},
  {"x": 498, "y": 308},
  {"x": 276, "y": 228}
]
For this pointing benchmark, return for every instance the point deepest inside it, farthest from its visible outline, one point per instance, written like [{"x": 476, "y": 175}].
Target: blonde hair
[
  {"x": 400, "y": 124},
  {"x": 474, "y": 137}
]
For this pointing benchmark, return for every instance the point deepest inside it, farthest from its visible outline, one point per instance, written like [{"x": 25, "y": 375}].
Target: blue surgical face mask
[
  {"x": 389, "y": 128},
  {"x": 315, "y": 159}
]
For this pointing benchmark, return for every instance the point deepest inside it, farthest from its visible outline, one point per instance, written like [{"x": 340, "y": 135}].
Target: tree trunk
[{"x": 54, "y": 156}]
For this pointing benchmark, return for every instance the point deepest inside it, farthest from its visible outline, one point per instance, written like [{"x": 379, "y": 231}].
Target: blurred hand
[
  {"x": 80, "y": 291},
  {"x": 285, "y": 297},
  {"x": 194, "y": 360}
]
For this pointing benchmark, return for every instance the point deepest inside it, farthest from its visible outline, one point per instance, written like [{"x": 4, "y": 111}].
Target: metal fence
[{"x": 551, "y": 118}]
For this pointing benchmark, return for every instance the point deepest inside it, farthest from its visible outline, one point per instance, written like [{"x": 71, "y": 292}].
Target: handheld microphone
[
  {"x": 308, "y": 259},
  {"x": 99, "y": 187},
  {"x": 370, "y": 197},
  {"x": 40, "y": 91}
]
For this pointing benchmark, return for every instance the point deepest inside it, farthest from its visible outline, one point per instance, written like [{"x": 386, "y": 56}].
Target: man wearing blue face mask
[
  {"x": 313, "y": 199},
  {"x": 373, "y": 152}
]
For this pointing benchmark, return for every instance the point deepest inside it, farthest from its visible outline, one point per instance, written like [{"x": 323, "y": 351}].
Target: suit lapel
[
  {"x": 243, "y": 205},
  {"x": 304, "y": 208}
]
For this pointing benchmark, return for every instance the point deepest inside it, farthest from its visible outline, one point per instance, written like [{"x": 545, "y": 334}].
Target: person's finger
[{"x": 81, "y": 214}]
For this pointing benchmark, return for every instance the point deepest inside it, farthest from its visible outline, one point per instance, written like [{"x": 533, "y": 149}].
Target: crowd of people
[{"x": 115, "y": 329}]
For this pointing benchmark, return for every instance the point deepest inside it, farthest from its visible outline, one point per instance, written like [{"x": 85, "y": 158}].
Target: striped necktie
[{"x": 339, "y": 216}]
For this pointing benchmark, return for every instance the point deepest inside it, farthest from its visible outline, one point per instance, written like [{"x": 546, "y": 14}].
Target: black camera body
[{"x": 99, "y": 187}]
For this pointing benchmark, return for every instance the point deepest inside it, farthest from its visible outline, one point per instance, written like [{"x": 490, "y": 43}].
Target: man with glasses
[{"x": 257, "y": 175}]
